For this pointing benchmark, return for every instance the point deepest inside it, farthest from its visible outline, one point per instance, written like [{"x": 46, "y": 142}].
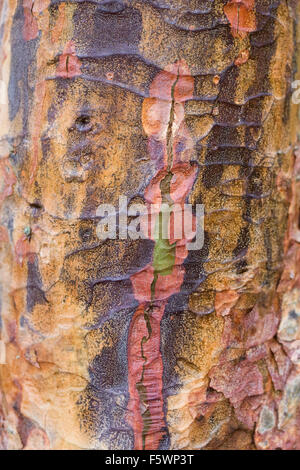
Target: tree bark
[{"x": 143, "y": 344}]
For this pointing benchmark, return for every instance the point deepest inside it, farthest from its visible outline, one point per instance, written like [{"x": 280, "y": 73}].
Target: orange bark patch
[
  {"x": 241, "y": 16},
  {"x": 32, "y": 9},
  {"x": 165, "y": 285},
  {"x": 242, "y": 58},
  {"x": 110, "y": 75},
  {"x": 141, "y": 283},
  {"x": 175, "y": 82}
]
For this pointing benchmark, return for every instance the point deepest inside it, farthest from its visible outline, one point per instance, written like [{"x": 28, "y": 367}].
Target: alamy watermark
[{"x": 178, "y": 223}]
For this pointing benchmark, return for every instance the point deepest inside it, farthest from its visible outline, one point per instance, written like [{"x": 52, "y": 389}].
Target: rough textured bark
[{"x": 142, "y": 344}]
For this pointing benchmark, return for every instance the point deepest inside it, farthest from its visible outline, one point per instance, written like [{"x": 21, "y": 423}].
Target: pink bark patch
[
  {"x": 169, "y": 284},
  {"x": 141, "y": 283},
  {"x": 163, "y": 122},
  {"x": 165, "y": 285},
  {"x": 248, "y": 411},
  {"x": 32, "y": 9},
  {"x": 256, "y": 353},
  {"x": 224, "y": 301},
  {"x": 237, "y": 381},
  {"x": 30, "y": 29},
  {"x": 3, "y": 234},
  {"x": 175, "y": 82},
  {"x": 69, "y": 64},
  {"x": 170, "y": 88},
  {"x": 260, "y": 327},
  {"x": 8, "y": 179},
  {"x": 279, "y": 365}
]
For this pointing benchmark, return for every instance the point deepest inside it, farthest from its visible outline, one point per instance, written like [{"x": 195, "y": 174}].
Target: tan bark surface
[{"x": 134, "y": 344}]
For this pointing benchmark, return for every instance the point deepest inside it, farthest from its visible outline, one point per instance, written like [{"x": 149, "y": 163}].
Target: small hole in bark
[
  {"x": 36, "y": 205},
  {"x": 85, "y": 234},
  {"x": 200, "y": 418},
  {"x": 36, "y": 208},
  {"x": 83, "y": 123}
]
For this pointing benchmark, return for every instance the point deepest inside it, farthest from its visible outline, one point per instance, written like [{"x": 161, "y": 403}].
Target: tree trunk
[{"x": 144, "y": 343}]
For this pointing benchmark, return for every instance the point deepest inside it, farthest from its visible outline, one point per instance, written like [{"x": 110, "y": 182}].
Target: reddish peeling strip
[
  {"x": 164, "y": 287},
  {"x": 30, "y": 29},
  {"x": 146, "y": 414},
  {"x": 32, "y": 9},
  {"x": 69, "y": 64},
  {"x": 241, "y": 16},
  {"x": 163, "y": 121}
]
